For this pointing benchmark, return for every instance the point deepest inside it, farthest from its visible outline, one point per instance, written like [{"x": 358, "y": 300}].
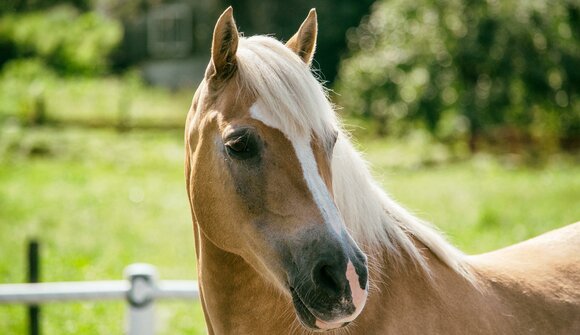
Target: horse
[{"x": 294, "y": 236}]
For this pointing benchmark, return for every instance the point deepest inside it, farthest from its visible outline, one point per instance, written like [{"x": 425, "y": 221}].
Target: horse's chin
[{"x": 309, "y": 320}]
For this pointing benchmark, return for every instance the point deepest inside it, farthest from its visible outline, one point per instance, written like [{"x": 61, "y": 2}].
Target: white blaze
[{"x": 307, "y": 161}]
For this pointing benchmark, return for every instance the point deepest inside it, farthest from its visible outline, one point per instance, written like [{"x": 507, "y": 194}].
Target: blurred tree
[
  {"x": 491, "y": 69},
  {"x": 13, "y": 6},
  {"x": 281, "y": 18},
  {"x": 66, "y": 40}
]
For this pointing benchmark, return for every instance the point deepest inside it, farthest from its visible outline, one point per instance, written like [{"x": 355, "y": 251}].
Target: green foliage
[
  {"x": 22, "y": 84},
  {"x": 69, "y": 42},
  {"x": 11, "y": 6},
  {"x": 467, "y": 68}
]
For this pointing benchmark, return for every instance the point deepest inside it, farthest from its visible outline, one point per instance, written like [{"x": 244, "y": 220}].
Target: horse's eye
[{"x": 242, "y": 145}]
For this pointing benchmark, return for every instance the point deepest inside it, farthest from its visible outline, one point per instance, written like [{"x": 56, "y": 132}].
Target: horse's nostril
[
  {"x": 326, "y": 278},
  {"x": 329, "y": 278}
]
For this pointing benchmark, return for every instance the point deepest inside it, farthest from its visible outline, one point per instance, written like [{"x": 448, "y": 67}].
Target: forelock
[{"x": 285, "y": 88}]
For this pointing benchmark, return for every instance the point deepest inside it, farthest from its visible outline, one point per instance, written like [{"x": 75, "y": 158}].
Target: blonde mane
[{"x": 300, "y": 106}]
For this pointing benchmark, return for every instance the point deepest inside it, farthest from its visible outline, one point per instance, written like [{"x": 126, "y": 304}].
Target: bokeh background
[{"x": 466, "y": 109}]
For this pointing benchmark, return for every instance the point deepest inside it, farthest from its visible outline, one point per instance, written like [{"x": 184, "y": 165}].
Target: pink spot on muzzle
[
  {"x": 359, "y": 295},
  {"x": 359, "y": 298}
]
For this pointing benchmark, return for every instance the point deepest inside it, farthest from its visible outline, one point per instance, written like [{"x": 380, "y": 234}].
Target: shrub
[
  {"x": 479, "y": 68},
  {"x": 23, "y": 83},
  {"x": 69, "y": 42}
]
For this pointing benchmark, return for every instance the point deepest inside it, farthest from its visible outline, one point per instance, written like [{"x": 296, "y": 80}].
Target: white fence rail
[{"x": 141, "y": 289}]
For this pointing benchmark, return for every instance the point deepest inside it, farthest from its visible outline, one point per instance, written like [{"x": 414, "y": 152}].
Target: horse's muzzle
[{"x": 335, "y": 291}]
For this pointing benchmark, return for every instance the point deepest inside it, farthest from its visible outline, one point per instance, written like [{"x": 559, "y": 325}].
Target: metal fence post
[
  {"x": 140, "y": 297},
  {"x": 33, "y": 277}
]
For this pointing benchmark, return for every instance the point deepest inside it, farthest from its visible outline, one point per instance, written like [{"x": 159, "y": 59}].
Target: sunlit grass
[
  {"x": 99, "y": 200},
  {"x": 483, "y": 206},
  {"x": 97, "y": 101}
]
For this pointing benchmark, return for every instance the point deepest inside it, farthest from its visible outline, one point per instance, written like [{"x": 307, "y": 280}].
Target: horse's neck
[
  {"x": 236, "y": 299},
  {"x": 406, "y": 300}
]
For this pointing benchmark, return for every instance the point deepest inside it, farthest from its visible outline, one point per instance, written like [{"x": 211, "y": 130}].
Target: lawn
[{"x": 99, "y": 200}]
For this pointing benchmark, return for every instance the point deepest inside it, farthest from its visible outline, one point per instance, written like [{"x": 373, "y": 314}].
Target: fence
[
  {"x": 140, "y": 289},
  {"x": 38, "y": 114}
]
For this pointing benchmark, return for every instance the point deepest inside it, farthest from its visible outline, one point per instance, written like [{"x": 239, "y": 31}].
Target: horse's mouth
[{"x": 308, "y": 319}]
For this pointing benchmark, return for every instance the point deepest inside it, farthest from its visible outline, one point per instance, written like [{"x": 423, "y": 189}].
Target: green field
[{"x": 99, "y": 200}]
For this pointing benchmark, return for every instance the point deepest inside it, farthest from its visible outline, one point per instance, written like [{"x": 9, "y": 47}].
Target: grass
[
  {"x": 482, "y": 206},
  {"x": 481, "y": 202},
  {"x": 27, "y": 91},
  {"x": 99, "y": 200}
]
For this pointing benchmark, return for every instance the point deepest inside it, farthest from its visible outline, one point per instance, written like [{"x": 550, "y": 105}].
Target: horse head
[{"x": 260, "y": 139}]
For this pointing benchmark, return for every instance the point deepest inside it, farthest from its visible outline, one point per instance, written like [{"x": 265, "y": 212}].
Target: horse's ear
[
  {"x": 303, "y": 43},
  {"x": 224, "y": 46}
]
